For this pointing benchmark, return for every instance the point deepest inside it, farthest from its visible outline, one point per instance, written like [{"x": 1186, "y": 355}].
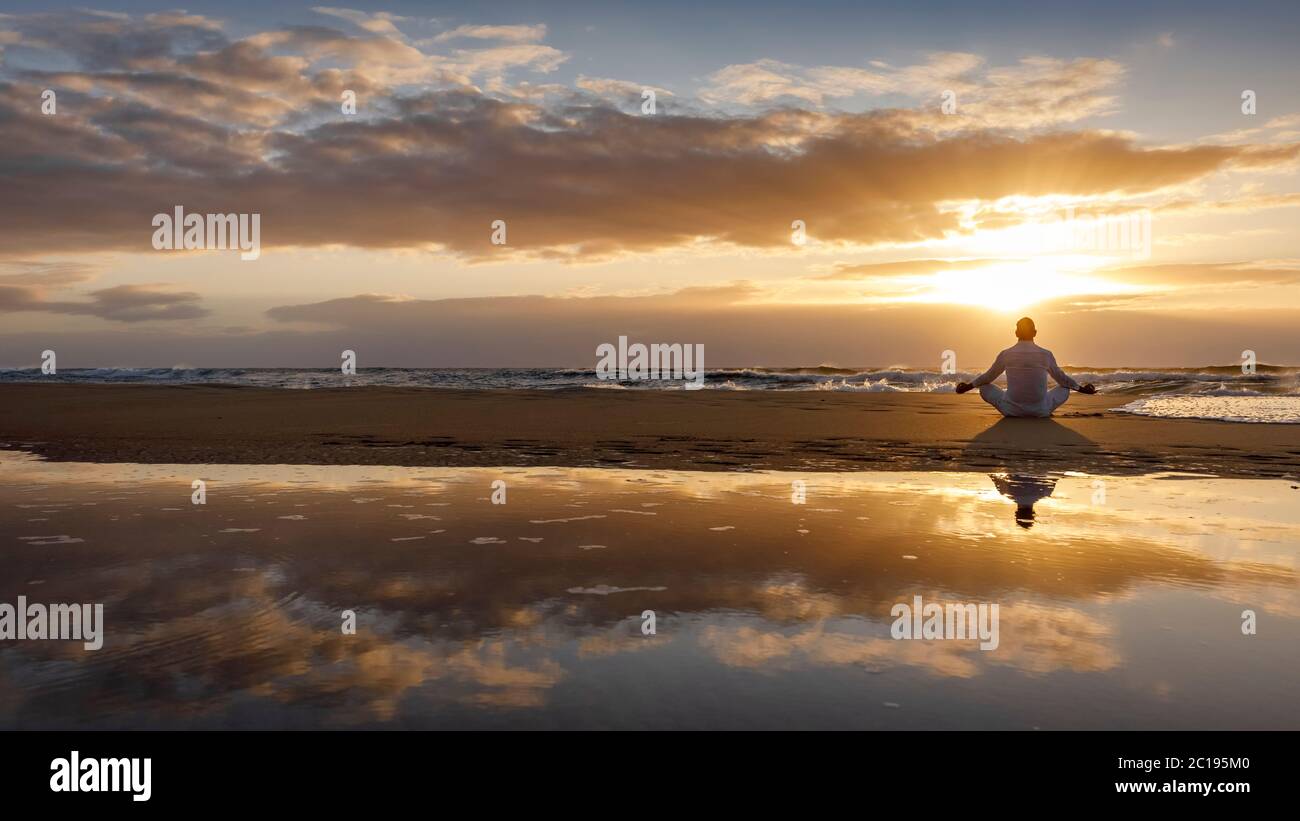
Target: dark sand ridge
[{"x": 705, "y": 430}]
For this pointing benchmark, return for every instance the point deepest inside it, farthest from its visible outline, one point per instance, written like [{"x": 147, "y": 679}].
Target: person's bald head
[{"x": 1025, "y": 328}]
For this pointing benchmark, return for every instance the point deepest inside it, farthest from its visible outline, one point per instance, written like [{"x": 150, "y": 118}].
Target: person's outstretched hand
[
  {"x": 1088, "y": 389},
  {"x": 962, "y": 387}
]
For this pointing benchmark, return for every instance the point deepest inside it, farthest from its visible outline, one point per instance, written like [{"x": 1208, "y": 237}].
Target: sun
[{"x": 1015, "y": 286}]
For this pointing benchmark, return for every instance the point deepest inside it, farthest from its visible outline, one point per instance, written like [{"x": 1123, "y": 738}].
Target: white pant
[{"x": 997, "y": 397}]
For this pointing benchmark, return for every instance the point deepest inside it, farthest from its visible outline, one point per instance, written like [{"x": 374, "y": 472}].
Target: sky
[{"x": 835, "y": 183}]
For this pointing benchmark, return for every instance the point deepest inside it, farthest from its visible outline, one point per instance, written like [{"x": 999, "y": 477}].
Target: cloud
[
  {"x": 906, "y": 267},
  {"x": 734, "y": 323},
  {"x": 102, "y": 41},
  {"x": 1185, "y": 274},
  {"x": 1244, "y": 204},
  {"x": 767, "y": 81},
  {"x": 1277, "y": 129},
  {"x": 575, "y": 182},
  {"x": 27, "y": 291},
  {"x": 1035, "y": 92},
  {"x": 36, "y": 273},
  {"x": 138, "y": 303},
  {"x": 1043, "y": 91},
  {"x": 268, "y": 78},
  {"x": 510, "y": 34},
  {"x": 495, "y": 61},
  {"x": 617, "y": 89},
  {"x": 1048, "y": 639},
  {"x": 168, "y": 100},
  {"x": 378, "y": 23},
  {"x": 538, "y": 331}
]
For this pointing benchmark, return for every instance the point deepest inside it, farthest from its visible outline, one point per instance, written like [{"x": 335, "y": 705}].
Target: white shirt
[{"x": 1027, "y": 367}]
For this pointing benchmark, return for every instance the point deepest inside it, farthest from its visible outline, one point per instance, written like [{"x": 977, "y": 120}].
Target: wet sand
[
  {"x": 1120, "y": 605},
  {"x": 705, "y": 430}
]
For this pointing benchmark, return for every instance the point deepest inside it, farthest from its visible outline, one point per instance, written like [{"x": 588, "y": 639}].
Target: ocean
[{"x": 1271, "y": 394}]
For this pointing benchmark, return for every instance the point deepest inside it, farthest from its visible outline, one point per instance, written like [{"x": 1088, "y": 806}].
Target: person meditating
[{"x": 1027, "y": 367}]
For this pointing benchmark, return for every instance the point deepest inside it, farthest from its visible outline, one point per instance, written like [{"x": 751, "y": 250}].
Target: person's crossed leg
[{"x": 997, "y": 397}]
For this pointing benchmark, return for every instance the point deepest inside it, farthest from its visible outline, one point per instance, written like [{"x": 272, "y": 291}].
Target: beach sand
[
  {"x": 500, "y": 552},
  {"x": 707, "y": 430}
]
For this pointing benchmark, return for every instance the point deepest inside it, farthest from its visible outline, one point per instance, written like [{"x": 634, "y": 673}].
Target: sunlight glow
[{"x": 1015, "y": 286}]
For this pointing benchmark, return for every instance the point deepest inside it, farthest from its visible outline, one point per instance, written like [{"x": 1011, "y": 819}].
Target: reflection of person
[
  {"x": 1025, "y": 491},
  {"x": 1027, "y": 367}
]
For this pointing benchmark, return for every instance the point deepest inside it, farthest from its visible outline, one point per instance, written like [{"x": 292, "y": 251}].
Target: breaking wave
[{"x": 1215, "y": 381}]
